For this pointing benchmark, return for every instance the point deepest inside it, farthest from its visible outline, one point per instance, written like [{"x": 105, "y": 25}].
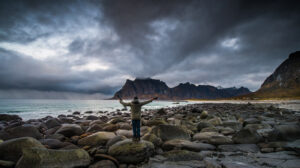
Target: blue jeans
[{"x": 136, "y": 128}]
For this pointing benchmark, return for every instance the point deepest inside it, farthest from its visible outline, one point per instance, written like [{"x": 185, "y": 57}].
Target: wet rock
[
  {"x": 53, "y": 143},
  {"x": 269, "y": 134},
  {"x": 115, "y": 140},
  {"x": 210, "y": 129},
  {"x": 51, "y": 130},
  {"x": 66, "y": 120},
  {"x": 186, "y": 145},
  {"x": 215, "y": 121},
  {"x": 96, "y": 122},
  {"x": 7, "y": 117},
  {"x": 116, "y": 120},
  {"x": 91, "y": 117},
  {"x": 106, "y": 157},
  {"x": 257, "y": 126},
  {"x": 76, "y": 113},
  {"x": 212, "y": 138},
  {"x": 236, "y": 164},
  {"x": 246, "y": 136},
  {"x": 232, "y": 124},
  {"x": 295, "y": 146},
  {"x": 22, "y": 131},
  {"x": 98, "y": 138},
  {"x": 125, "y": 126},
  {"x": 202, "y": 125},
  {"x": 168, "y": 132},
  {"x": 251, "y": 121},
  {"x": 282, "y": 159},
  {"x": 175, "y": 164},
  {"x": 56, "y": 136},
  {"x": 253, "y": 148},
  {"x": 294, "y": 163},
  {"x": 226, "y": 130},
  {"x": 288, "y": 131},
  {"x": 111, "y": 127},
  {"x": 126, "y": 133},
  {"x": 211, "y": 163},
  {"x": 278, "y": 144},
  {"x": 131, "y": 152},
  {"x": 154, "y": 122},
  {"x": 103, "y": 164},
  {"x": 36, "y": 158},
  {"x": 182, "y": 155},
  {"x": 52, "y": 122},
  {"x": 82, "y": 122},
  {"x": 11, "y": 150},
  {"x": 69, "y": 130},
  {"x": 267, "y": 150},
  {"x": 152, "y": 138},
  {"x": 95, "y": 128}
]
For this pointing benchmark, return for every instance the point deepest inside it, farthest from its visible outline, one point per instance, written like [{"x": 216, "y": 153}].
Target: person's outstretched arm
[
  {"x": 148, "y": 101},
  {"x": 122, "y": 102}
]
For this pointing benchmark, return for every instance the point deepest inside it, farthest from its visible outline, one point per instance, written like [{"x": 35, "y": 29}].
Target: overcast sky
[{"x": 79, "y": 49}]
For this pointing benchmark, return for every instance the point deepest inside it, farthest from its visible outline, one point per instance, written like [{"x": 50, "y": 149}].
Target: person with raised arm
[{"x": 135, "y": 108}]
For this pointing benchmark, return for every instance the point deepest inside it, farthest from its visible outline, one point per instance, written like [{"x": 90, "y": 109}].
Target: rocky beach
[{"x": 212, "y": 135}]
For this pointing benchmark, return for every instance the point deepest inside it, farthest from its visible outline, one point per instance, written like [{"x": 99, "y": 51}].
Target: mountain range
[
  {"x": 284, "y": 82},
  {"x": 148, "y": 88}
]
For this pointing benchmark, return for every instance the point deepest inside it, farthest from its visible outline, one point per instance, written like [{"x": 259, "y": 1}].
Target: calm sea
[{"x": 38, "y": 108}]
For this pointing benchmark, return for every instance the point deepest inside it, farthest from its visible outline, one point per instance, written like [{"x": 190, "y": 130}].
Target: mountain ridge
[
  {"x": 146, "y": 88},
  {"x": 284, "y": 82}
]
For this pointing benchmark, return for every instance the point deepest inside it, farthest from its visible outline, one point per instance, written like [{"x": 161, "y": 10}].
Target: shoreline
[
  {"x": 189, "y": 135},
  {"x": 39, "y": 108}
]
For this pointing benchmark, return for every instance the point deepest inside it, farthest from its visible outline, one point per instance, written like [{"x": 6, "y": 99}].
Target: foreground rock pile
[{"x": 192, "y": 136}]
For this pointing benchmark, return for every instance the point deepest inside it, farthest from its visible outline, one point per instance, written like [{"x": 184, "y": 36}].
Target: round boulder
[
  {"x": 7, "y": 117},
  {"x": 246, "y": 136},
  {"x": 98, "y": 138},
  {"x": 36, "y": 158},
  {"x": 168, "y": 132},
  {"x": 69, "y": 130},
  {"x": 288, "y": 132},
  {"x": 52, "y": 122},
  {"x": 11, "y": 150},
  {"x": 187, "y": 145},
  {"x": 202, "y": 125},
  {"x": 131, "y": 152},
  {"x": 22, "y": 131}
]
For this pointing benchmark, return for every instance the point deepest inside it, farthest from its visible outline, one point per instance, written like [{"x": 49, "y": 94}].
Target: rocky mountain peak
[
  {"x": 287, "y": 75},
  {"x": 146, "y": 88}
]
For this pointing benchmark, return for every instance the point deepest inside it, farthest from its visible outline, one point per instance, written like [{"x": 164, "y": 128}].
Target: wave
[{"x": 14, "y": 111}]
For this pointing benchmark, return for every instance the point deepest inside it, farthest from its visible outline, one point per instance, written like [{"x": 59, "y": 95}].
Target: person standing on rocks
[{"x": 135, "y": 108}]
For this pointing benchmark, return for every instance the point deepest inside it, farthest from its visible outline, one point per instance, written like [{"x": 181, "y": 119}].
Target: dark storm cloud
[
  {"x": 93, "y": 46},
  {"x": 201, "y": 24},
  {"x": 18, "y": 72}
]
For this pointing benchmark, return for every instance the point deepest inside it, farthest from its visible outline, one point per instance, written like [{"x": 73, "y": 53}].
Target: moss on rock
[{"x": 39, "y": 158}]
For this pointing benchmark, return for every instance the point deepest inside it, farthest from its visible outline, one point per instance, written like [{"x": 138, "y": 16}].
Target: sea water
[{"x": 38, "y": 108}]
